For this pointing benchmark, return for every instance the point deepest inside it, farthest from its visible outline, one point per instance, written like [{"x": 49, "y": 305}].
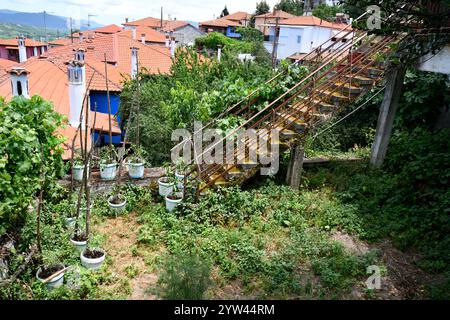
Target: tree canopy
[
  {"x": 262, "y": 7},
  {"x": 294, "y": 7},
  {"x": 224, "y": 12}
]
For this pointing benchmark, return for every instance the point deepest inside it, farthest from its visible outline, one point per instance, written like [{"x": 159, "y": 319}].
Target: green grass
[{"x": 11, "y": 30}]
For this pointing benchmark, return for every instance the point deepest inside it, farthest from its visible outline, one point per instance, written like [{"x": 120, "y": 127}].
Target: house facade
[
  {"x": 263, "y": 20},
  {"x": 301, "y": 35}
]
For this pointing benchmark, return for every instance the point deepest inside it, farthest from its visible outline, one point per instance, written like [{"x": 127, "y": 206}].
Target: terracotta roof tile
[
  {"x": 312, "y": 21},
  {"x": 276, "y": 14},
  {"x": 222, "y": 22},
  {"x": 173, "y": 25},
  {"x": 28, "y": 43},
  {"x": 238, "y": 16},
  {"x": 112, "y": 28},
  {"x": 151, "y": 35},
  {"x": 145, "y": 22}
]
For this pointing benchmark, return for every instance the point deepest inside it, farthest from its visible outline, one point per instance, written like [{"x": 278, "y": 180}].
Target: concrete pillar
[
  {"x": 295, "y": 168},
  {"x": 392, "y": 94}
]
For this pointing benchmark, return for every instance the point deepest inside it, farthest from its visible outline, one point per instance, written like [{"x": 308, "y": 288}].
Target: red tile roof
[
  {"x": 112, "y": 28},
  {"x": 6, "y": 65},
  {"x": 145, "y": 22},
  {"x": 60, "y": 42},
  {"x": 173, "y": 25},
  {"x": 28, "y": 43},
  {"x": 312, "y": 21},
  {"x": 151, "y": 35},
  {"x": 222, "y": 22},
  {"x": 276, "y": 14},
  {"x": 238, "y": 16}
]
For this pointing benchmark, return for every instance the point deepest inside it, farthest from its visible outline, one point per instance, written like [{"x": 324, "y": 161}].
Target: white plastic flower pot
[
  {"x": 90, "y": 263},
  {"x": 165, "y": 188},
  {"x": 77, "y": 173},
  {"x": 55, "y": 282},
  {"x": 171, "y": 204},
  {"x": 136, "y": 170},
  {"x": 180, "y": 180},
  {"x": 80, "y": 245},
  {"x": 117, "y": 207},
  {"x": 108, "y": 171}
]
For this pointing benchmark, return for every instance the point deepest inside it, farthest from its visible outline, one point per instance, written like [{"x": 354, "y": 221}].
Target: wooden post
[
  {"x": 295, "y": 168},
  {"x": 392, "y": 94}
]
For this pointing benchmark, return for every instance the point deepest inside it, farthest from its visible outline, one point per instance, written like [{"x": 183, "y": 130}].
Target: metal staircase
[{"x": 341, "y": 70}]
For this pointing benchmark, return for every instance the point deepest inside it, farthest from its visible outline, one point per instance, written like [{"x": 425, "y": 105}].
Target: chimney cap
[
  {"x": 143, "y": 35},
  {"x": 79, "y": 50},
  {"x": 75, "y": 63},
  {"x": 18, "y": 71}
]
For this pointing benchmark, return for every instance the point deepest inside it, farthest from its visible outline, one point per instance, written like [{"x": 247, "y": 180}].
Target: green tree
[
  {"x": 224, "y": 12},
  {"x": 27, "y": 131},
  {"x": 262, "y": 7},
  {"x": 326, "y": 12},
  {"x": 294, "y": 7}
]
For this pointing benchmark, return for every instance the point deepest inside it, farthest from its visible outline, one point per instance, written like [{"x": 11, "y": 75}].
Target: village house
[
  {"x": 263, "y": 20},
  {"x": 243, "y": 18},
  {"x": 222, "y": 25},
  {"x": 63, "y": 74},
  {"x": 183, "y": 32},
  {"x": 21, "y": 49},
  {"x": 301, "y": 35}
]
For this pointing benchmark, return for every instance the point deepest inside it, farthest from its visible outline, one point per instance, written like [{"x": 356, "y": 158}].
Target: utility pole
[
  {"x": 275, "y": 43},
  {"x": 89, "y": 19},
  {"x": 162, "y": 17},
  {"x": 45, "y": 26},
  {"x": 71, "y": 31}
]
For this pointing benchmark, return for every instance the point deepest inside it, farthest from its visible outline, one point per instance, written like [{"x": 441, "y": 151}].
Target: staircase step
[
  {"x": 248, "y": 164},
  {"x": 298, "y": 124},
  {"x": 220, "y": 180},
  {"x": 324, "y": 107},
  {"x": 334, "y": 96},
  {"x": 234, "y": 172},
  {"x": 286, "y": 134},
  {"x": 361, "y": 80},
  {"x": 347, "y": 87}
]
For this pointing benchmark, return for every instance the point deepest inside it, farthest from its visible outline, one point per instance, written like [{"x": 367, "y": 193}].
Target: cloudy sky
[{"x": 115, "y": 11}]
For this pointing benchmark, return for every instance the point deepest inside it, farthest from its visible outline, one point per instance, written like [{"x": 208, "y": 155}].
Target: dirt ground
[{"x": 128, "y": 264}]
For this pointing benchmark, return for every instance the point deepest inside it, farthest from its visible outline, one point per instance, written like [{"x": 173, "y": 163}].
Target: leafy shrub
[
  {"x": 28, "y": 129},
  {"x": 184, "y": 277}
]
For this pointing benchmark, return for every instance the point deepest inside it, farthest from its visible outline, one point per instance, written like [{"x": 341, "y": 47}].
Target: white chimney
[
  {"x": 172, "y": 47},
  {"x": 35, "y": 51},
  {"x": 81, "y": 36},
  {"x": 219, "y": 53},
  {"x": 22, "y": 49},
  {"x": 42, "y": 49},
  {"x": 167, "y": 41},
  {"x": 77, "y": 87},
  {"x": 134, "y": 62},
  {"x": 19, "y": 82},
  {"x": 143, "y": 38},
  {"x": 134, "y": 33}
]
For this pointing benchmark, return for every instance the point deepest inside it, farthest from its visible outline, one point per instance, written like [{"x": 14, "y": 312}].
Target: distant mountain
[{"x": 36, "y": 19}]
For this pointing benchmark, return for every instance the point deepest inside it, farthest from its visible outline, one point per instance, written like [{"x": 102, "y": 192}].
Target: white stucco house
[{"x": 301, "y": 35}]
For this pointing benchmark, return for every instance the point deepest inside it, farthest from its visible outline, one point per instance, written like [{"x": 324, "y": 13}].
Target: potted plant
[
  {"x": 136, "y": 163},
  {"x": 117, "y": 200},
  {"x": 167, "y": 183},
  {"x": 78, "y": 169},
  {"x": 173, "y": 200},
  {"x": 92, "y": 258},
  {"x": 79, "y": 240},
  {"x": 108, "y": 163},
  {"x": 51, "y": 275},
  {"x": 180, "y": 173}
]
